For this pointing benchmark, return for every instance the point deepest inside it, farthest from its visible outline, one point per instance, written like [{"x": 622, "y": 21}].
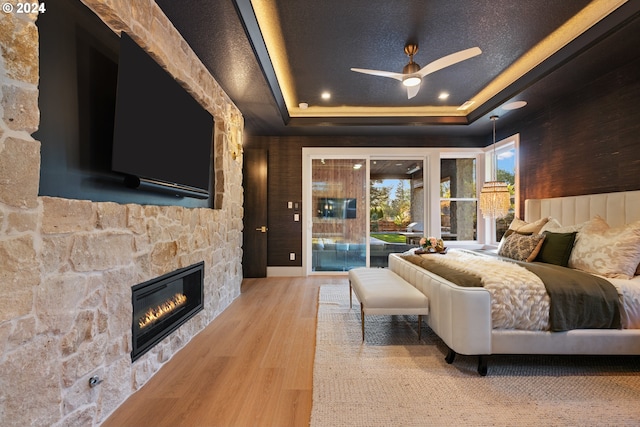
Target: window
[
  {"x": 458, "y": 200},
  {"x": 506, "y": 159}
]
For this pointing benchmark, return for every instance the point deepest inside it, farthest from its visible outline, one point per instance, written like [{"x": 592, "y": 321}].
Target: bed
[{"x": 462, "y": 316}]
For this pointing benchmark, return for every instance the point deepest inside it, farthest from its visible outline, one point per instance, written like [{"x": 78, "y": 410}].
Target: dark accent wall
[
  {"x": 587, "y": 142},
  {"x": 284, "y": 184}
]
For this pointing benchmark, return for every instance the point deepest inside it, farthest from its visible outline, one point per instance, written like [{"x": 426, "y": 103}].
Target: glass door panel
[
  {"x": 396, "y": 199},
  {"x": 339, "y": 221}
]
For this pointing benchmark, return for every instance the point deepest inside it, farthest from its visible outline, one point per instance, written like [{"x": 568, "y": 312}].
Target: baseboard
[{"x": 285, "y": 271}]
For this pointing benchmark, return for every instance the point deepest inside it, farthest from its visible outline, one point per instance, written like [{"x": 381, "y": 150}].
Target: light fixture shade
[
  {"x": 411, "y": 81},
  {"x": 495, "y": 199}
]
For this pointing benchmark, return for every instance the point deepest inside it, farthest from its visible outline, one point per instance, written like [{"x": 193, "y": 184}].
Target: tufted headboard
[{"x": 616, "y": 208}]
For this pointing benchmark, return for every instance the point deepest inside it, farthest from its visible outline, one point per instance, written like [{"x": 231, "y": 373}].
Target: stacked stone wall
[{"x": 67, "y": 266}]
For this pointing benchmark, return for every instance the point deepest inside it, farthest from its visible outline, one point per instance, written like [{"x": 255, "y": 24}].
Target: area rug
[{"x": 393, "y": 379}]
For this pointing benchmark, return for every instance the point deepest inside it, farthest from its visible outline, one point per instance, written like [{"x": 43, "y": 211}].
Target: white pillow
[
  {"x": 551, "y": 225},
  {"x": 554, "y": 226},
  {"x": 609, "y": 252},
  {"x": 528, "y": 227}
]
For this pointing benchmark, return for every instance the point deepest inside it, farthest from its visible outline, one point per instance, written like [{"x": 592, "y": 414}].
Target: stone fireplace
[
  {"x": 162, "y": 304},
  {"x": 67, "y": 267}
]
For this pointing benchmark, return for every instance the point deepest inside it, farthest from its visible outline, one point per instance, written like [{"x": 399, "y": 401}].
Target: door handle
[{"x": 262, "y": 229}]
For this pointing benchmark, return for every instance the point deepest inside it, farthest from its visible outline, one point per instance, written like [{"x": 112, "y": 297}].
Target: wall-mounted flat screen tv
[
  {"x": 162, "y": 135},
  {"x": 339, "y": 208}
]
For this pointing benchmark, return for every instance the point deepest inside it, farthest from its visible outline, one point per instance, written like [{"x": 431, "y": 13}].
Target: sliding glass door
[
  {"x": 339, "y": 216},
  {"x": 396, "y": 200},
  {"x": 355, "y": 201},
  {"x": 362, "y": 204}
]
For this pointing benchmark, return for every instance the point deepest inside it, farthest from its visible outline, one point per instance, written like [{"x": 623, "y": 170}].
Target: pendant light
[{"x": 495, "y": 199}]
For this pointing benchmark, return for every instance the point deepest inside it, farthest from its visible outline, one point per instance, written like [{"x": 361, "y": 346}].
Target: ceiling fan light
[{"x": 411, "y": 81}]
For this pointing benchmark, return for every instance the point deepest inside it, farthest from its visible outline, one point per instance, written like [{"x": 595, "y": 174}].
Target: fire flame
[{"x": 162, "y": 310}]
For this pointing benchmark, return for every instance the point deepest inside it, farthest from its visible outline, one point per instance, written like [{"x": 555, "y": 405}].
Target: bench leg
[
  {"x": 350, "y": 295},
  {"x": 362, "y": 317},
  {"x": 419, "y": 327}
]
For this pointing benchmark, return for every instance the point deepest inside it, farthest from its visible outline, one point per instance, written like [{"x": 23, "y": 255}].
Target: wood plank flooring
[{"x": 252, "y": 366}]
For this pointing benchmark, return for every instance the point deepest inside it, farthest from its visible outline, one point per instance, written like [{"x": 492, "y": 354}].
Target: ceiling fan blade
[
  {"x": 397, "y": 76},
  {"x": 448, "y": 60},
  {"x": 412, "y": 91}
]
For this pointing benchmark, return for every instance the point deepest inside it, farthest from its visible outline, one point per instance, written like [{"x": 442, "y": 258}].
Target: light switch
[
  {"x": 290, "y": 205},
  {"x": 296, "y": 217}
]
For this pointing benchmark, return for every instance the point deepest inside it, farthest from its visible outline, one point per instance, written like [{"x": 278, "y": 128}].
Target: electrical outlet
[
  {"x": 292, "y": 256},
  {"x": 296, "y": 217},
  {"x": 290, "y": 205}
]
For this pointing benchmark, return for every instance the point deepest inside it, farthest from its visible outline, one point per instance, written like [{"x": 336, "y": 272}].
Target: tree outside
[{"x": 390, "y": 202}]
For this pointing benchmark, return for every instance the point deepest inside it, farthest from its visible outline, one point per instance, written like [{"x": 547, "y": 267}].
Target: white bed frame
[{"x": 461, "y": 316}]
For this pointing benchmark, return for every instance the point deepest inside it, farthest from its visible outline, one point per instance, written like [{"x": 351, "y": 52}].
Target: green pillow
[{"x": 556, "y": 248}]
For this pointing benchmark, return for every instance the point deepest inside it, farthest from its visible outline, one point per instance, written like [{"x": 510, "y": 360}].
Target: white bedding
[
  {"x": 629, "y": 292},
  {"x": 519, "y": 299}
]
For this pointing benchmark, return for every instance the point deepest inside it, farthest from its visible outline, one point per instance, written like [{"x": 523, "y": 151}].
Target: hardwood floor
[{"x": 252, "y": 366}]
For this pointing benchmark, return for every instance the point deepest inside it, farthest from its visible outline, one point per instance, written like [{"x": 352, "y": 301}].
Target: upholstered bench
[{"x": 381, "y": 291}]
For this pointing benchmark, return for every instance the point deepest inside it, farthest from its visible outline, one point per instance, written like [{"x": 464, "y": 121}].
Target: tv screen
[
  {"x": 161, "y": 133},
  {"x": 333, "y": 207}
]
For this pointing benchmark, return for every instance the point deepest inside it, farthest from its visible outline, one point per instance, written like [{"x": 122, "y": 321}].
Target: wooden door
[{"x": 254, "y": 241}]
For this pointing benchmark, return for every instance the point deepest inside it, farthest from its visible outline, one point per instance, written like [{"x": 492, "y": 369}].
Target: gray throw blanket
[{"x": 579, "y": 300}]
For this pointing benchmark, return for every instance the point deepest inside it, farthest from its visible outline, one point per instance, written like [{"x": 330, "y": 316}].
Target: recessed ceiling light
[
  {"x": 443, "y": 95},
  {"x": 326, "y": 95},
  {"x": 514, "y": 105}
]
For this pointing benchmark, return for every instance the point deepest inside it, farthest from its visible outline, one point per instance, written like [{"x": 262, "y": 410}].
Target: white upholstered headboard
[{"x": 616, "y": 208}]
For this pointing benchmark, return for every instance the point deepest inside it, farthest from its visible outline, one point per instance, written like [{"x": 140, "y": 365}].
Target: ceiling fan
[{"x": 412, "y": 74}]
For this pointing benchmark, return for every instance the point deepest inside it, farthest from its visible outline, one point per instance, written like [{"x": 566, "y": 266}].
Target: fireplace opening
[{"x": 162, "y": 304}]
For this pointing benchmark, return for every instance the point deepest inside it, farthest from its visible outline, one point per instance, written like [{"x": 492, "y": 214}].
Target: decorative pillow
[
  {"x": 522, "y": 227},
  {"x": 556, "y": 248},
  {"x": 509, "y": 232},
  {"x": 552, "y": 224},
  {"x": 521, "y": 247},
  {"x": 609, "y": 252},
  {"x": 596, "y": 224},
  {"x": 528, "y": 227}
]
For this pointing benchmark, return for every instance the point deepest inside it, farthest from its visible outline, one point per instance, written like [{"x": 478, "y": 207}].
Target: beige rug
[{"x": 394, "y": 380}]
